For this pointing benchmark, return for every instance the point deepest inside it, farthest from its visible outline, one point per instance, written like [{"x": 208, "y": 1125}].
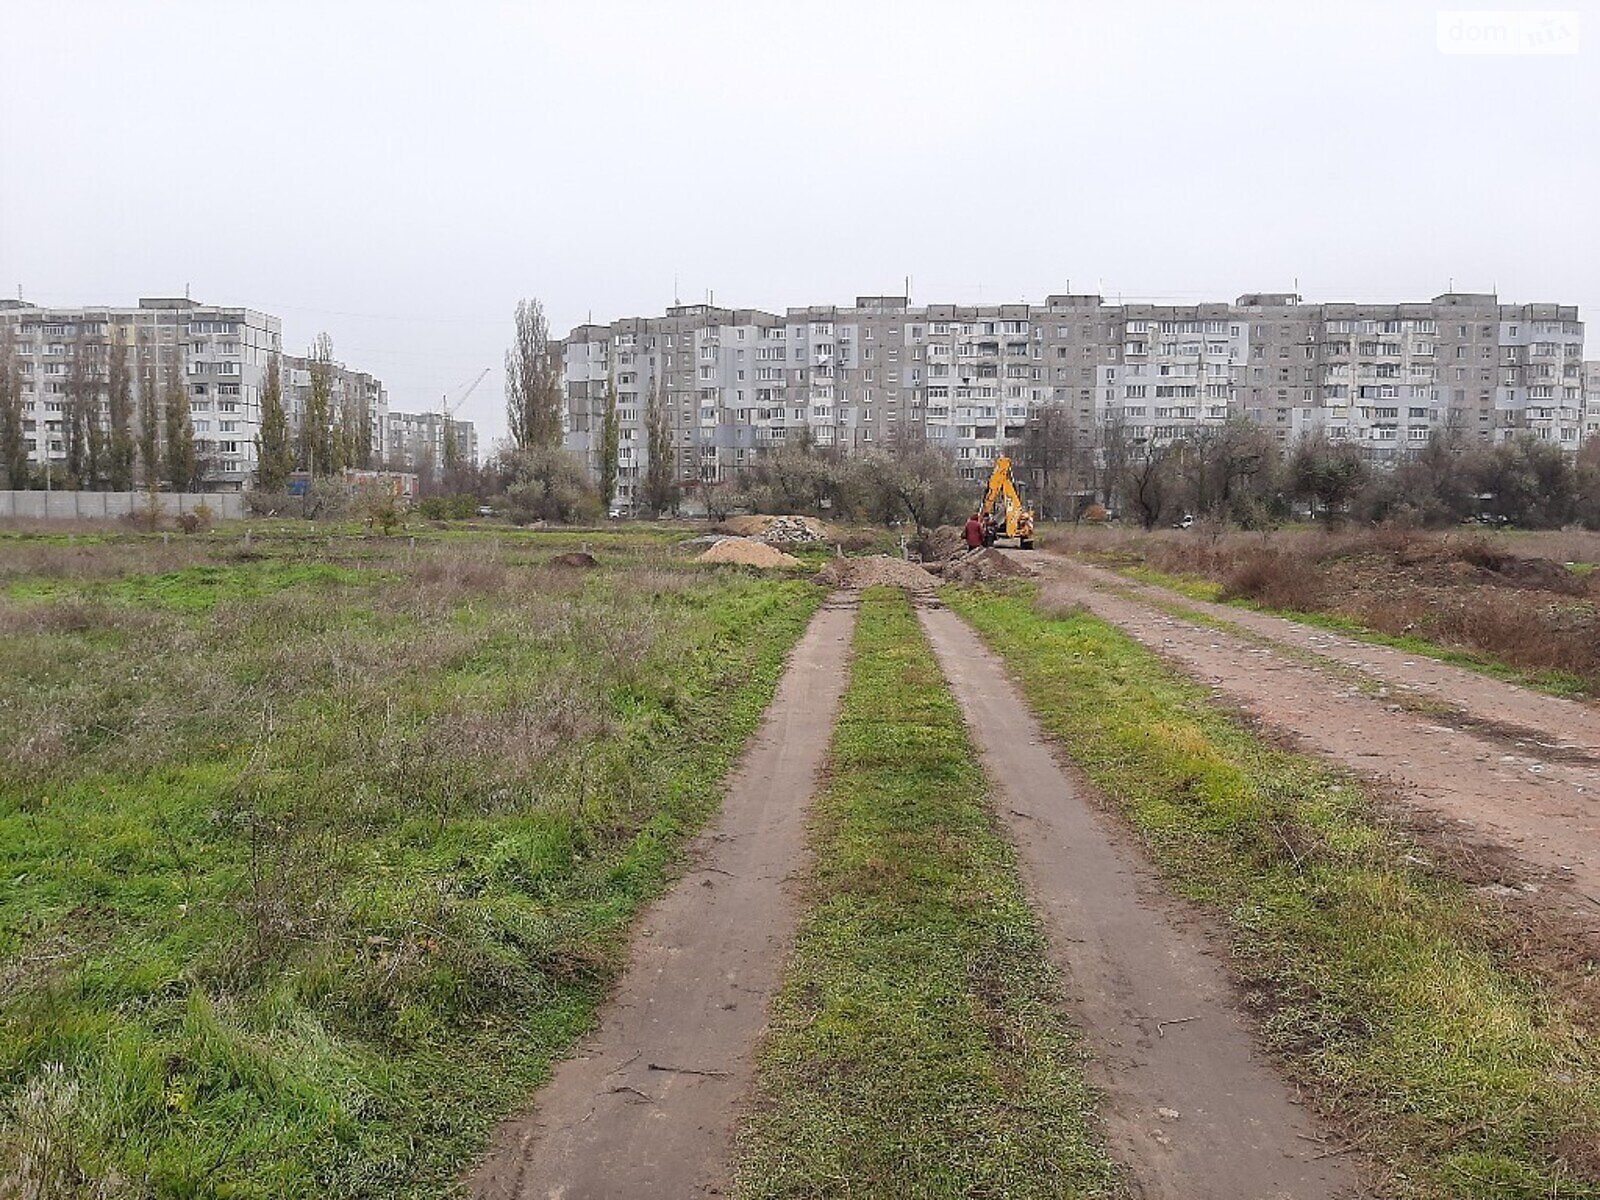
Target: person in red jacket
[{"x": 974, "y": 532}]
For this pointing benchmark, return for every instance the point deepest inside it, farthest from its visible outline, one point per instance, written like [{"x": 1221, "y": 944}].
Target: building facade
[
  {"x": 221, "y": 353},
  {"x": 416, "y": 441},
  {"x": 735, "y": 383},
  {"x": 351, "y": 392}
]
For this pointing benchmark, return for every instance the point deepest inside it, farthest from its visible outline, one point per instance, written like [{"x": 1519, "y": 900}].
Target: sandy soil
[
  {"x": 647, "y": 1106},
  {"x": 1537, "y": 799},
  {"x": 1191, "y": 1107}
]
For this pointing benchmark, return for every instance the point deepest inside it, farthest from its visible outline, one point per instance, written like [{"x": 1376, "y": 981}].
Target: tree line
[
  {"x": 334, "y": 433},
  {"x": 110, "y": 442},
  {"x": 1240, "y": 473}
]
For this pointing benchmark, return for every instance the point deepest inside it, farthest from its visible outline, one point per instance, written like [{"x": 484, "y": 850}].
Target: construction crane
[
  {"x": 1002, "y": 513},
  {"x": 447, "y": 410}
]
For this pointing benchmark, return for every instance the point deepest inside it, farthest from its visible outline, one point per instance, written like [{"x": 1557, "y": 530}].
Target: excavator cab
[{"x": 1002, "y": 513}]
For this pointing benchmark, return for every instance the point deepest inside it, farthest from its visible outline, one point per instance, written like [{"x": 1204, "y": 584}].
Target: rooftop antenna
[
  {"x": 675, "y": 300},
  {"x": 186, "y": 291}
]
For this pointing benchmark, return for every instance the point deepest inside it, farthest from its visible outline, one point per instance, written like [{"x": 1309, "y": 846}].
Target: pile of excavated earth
[
  {"x": 983, "y": 565},
  {"x": 875, "y": 571},
  {"x": 786, "y": 530},
  {"x": 747, "y": 552}
]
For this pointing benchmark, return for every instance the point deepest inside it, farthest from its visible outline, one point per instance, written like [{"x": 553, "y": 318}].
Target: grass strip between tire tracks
[
  {"x": 918, "y": 1047},
  {"x": 1383, "y": 984}
]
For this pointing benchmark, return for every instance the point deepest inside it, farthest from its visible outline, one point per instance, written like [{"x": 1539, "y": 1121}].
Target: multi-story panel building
[
  {"x": 219, "y": 353},
  {"x": 416, "y": 441},
  {"x": 733, "y": 383},
  {"x": 354, "y": 397}
]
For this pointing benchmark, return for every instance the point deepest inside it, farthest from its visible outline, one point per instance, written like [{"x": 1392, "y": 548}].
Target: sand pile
[
  {"x": 747, "y": 552},
  {"x": 984, "y": 565},
  {"x": 879, "y": 570}
]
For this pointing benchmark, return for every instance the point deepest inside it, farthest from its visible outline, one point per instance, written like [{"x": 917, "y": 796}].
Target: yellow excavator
[{"x": 1002, "y": 514}]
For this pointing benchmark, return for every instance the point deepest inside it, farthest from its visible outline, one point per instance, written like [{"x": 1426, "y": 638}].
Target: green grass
[
  {"x": 1385, "y": 986},
  {"x": 309, "y": 870},
  {"x": 918, "y": 1047}
]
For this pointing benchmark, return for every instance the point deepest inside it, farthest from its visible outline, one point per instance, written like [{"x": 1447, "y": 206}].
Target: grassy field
[
  {"x": 1396, "y": 997},
  {"x": 918, "y": 1047},
  {"x": 314, "y": 851}
]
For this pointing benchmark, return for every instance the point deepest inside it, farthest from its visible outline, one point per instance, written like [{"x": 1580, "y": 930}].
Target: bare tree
[
  {"x": 1111, "y": 458},
  {"x": 1148, "y": 483},
  {"x": 1048, "y": 456},
  {"x": 919, "y": 478},
  {"x": 533, "y": 381}
]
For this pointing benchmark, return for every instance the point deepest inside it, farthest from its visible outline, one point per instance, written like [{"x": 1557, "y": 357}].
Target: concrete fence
[{"x": 101, "y": 506}]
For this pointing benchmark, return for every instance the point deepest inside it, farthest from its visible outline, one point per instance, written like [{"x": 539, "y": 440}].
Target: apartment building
[
  {"x": 416, "y": 441},
  {"x": 1591, "y": 400},
  {"x": 221, "y": 353},
  {"x": 352, "y": 392},
  {"x": 734, "y": 383}
]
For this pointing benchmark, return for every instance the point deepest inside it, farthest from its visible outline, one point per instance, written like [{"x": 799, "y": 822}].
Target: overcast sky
[{"x": 399, "y": 174}]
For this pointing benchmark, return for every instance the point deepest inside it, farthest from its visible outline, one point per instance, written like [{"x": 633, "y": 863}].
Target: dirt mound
[
  {"x": 576, "y": 558},
  {"x": 747, "y": 552},
  {"x": 944, "y": 543},
  {"x": 878, "y": 570},
  {"x": 984, "y": 565},
  {"x": 781, "y": 530}
]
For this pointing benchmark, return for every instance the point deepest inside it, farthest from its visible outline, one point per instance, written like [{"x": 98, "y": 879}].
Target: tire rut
[
  {"x": 1541, "y": 809},
  {"x": 647, "y": 1104},
  {"x": 1192, "y": 1108}
]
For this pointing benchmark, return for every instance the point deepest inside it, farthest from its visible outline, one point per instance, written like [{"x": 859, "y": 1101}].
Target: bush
[
  {"x": 1275, "y": 578},
  {"x": 547, "y": 484},
  {"x": 448, "y": 508}
]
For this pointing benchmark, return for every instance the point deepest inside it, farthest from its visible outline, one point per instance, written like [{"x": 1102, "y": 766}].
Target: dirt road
[
  {"x": 1532, "y": 798},
  {"x": 647, "y": 1106},
  {"x": 1545, "y": 722},
  {"x": 1192, "y": 1108}
]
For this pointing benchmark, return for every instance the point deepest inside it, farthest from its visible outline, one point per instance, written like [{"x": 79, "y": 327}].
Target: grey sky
[{"x": 400, "y": 173}]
